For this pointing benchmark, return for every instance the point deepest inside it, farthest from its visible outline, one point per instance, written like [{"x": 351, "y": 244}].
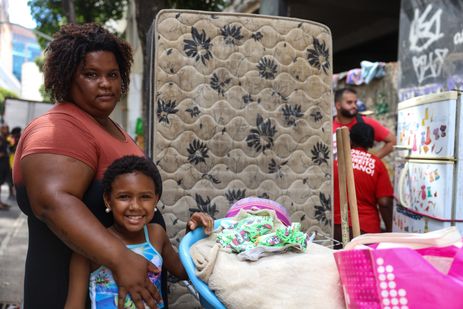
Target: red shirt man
[
  {"x": 372, "y": 184},
  {"x": 347, "y": 115}
]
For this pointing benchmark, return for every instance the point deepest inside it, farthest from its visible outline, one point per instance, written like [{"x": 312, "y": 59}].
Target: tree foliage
[
  {"x": 5, "y": 93},
  {"x": 50, "y": 15},
  {"x": 39, "y": 61},
  {"x": 45, "y": 95}
]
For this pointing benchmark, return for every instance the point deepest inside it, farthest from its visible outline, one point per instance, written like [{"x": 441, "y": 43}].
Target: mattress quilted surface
[{"x": 242, "y": 108}]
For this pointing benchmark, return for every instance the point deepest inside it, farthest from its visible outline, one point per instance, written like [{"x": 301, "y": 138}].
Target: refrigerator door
[
  {"x": 427, "y": 125},
  {"x": 426, "y": 186},
  {"x": 401, "y": 181},
  {"x": 406, "y": 221}
]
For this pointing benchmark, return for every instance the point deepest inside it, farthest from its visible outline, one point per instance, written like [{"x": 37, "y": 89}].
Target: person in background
[
  {"x": 5, "y": 169},
  {"x": 59, "y": 165},
  {"x": 12, "y": 140},
  {"x": 4, "y": 130},
  {"x": 345, "y": 101},
  {"x": 132, "y": 187},
  {"x": 373, "y": 186}
]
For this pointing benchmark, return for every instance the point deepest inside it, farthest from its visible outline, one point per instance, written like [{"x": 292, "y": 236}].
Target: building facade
[{"x": 18, "y": 50}]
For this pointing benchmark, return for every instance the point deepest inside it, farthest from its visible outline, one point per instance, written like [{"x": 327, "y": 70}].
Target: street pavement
[{"x": 13, "y": 249}]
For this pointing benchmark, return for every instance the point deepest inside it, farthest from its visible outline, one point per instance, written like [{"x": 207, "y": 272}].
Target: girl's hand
[{"x": 200, "y": 219}]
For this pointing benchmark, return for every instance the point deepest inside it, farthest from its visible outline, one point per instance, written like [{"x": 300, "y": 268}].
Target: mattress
[{"x": 242, "y": 107}]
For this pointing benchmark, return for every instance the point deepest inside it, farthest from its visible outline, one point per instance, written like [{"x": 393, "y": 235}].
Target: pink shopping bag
[{"x": 402, "y": 278}]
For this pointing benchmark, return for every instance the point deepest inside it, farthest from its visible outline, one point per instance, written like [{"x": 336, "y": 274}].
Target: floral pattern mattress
[{"x": 242, "y": 108}]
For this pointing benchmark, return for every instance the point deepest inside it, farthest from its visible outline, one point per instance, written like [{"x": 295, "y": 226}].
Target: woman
[{"x": 59, "y": 165}]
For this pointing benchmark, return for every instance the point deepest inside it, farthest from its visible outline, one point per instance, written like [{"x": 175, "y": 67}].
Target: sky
[{"x": 19, "y": 13}]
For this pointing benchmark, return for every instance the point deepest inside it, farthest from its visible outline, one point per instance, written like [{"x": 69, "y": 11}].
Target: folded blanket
[{"x": 289, "y": 280}]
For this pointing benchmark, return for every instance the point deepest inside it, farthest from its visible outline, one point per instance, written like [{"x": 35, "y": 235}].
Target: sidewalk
[{"x": 13, "y": 249}]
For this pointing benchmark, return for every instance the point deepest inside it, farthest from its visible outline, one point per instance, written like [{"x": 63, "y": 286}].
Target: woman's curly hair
[{"x": 69, "y": 47}]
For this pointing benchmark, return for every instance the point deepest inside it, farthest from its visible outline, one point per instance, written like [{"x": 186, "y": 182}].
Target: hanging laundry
[
  {"x": 371, "y": 70},
  {"x": 354, "y": 77}
]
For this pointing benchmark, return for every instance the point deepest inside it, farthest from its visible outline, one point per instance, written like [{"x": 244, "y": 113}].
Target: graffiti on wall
[{"x": 430, "y": 48}]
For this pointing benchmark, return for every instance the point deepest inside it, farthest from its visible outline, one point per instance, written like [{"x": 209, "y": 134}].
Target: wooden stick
[
  {"x": 354, "y": 215},
  {"x": 342, "y": 187}
]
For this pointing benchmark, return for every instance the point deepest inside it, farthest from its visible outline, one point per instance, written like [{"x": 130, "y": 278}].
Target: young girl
[{"x": 132, "y": 187}]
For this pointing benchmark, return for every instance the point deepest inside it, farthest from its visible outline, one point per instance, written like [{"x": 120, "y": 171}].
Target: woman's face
[
  {"x": 96, "y": 84},
  {"x": 132, "y": 200}
]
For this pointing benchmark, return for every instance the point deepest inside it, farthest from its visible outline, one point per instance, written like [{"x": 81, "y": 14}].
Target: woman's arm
[
  {"x": 79, "y": 274},
  {"x": 55, "y": 186}
]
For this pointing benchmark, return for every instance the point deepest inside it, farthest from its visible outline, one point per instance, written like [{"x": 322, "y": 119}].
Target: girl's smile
[{"x": 132, "y": 201}]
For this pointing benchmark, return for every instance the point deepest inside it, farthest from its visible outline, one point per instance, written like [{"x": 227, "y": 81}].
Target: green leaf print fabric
[{"x": 256, "y": 232}]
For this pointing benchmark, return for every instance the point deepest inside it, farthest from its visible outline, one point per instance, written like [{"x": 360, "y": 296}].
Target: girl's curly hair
[
  {"x": 130, "y": 164},
  {"x": 69, "y": 47}
]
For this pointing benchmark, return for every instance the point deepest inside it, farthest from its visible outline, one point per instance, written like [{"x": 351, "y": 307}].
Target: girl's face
[{"x": 133, "y": 201}]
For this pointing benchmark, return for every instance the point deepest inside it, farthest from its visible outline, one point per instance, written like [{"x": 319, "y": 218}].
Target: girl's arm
[
  {"x": 171, "y": 260},
  {"x": 79, "y": 274},
  {"x": 160, "y": 240},
  {"x": 200, "y": 219}
]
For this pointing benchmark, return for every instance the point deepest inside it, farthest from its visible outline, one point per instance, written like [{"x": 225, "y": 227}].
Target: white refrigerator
[{"x": 428, "y": 182}]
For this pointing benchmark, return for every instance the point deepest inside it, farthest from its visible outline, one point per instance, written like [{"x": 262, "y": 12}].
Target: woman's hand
[
  {"x": 131, "y": 276},
  {"x": 200, "y": 219}
]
